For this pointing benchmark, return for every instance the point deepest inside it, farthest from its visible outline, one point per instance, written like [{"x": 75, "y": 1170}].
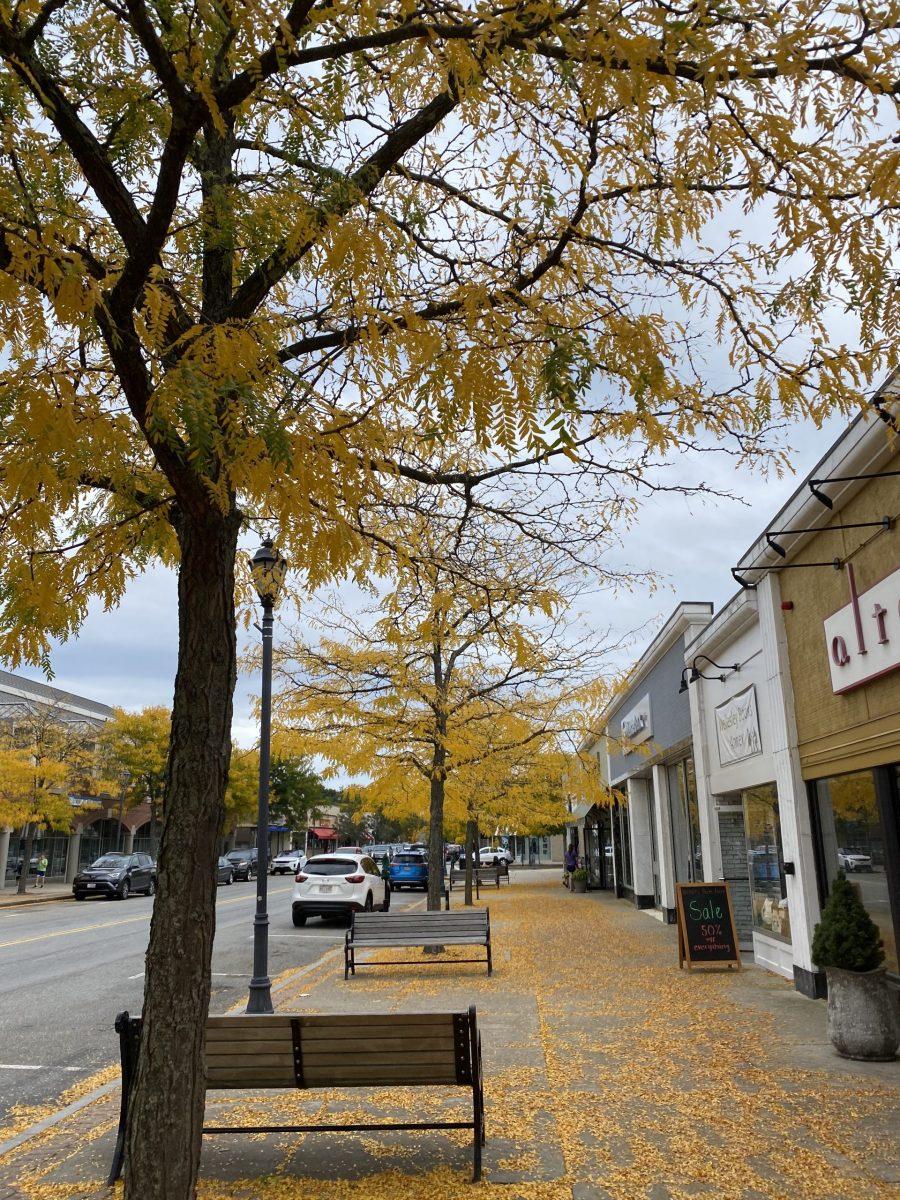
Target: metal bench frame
[
  {"x": 480, "y": 875},
  {"x": 461, "y": 928},
  {"x": 466, "y": 1065}
]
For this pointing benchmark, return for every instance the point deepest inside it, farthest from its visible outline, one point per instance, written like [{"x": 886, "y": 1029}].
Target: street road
[{"x": 67, "y": 968}]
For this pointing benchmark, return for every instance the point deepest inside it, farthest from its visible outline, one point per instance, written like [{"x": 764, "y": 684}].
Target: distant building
[{"x": 94, "y": 827}]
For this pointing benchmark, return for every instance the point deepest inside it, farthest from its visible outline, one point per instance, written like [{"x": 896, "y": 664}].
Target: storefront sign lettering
[
  {"x": 737, "y": 728},
  {"x": 862, "y": 639},
  {"x": 707, "y": 935},
  {"x": 635, "y": 725}
]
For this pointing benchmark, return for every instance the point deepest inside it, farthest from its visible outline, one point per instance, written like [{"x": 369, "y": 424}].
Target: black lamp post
[{"x": 268, "y": 569}]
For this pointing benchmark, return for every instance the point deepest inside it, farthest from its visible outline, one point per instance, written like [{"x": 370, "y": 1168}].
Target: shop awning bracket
[{"x": 815, "y": 485}]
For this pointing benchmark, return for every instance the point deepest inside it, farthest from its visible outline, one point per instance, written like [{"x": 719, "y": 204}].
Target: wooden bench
[
  {"x": 311, "y": 1051},
  {"x": 480, "y": 875},
  {"x": 380, "y": 931}
]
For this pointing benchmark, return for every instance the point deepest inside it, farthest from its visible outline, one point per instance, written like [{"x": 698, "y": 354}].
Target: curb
[
  {"x": 54, "y": 1119},
  {"x": 33, "y": 900}
]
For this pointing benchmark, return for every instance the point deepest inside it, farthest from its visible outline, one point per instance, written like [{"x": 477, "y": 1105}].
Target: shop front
[
  {"x": 739, "y": 717},
  {"x": 655, "y": 830},
  {"x": 844, "y": 640},
  {"x": 830, "y": 591}
]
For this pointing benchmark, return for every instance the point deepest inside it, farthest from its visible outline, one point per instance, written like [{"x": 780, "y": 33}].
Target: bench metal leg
[
  {"x": 478, "y": 1132},
  {"x": 128, "y": 1046}
]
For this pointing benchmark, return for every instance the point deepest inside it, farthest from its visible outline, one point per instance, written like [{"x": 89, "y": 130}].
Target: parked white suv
[
  {"x": 336, "y": 884},
  {"x": 492, "y": 856},
  {"x": 852, "y": 859},
  {"x": 288, "y": 862}
]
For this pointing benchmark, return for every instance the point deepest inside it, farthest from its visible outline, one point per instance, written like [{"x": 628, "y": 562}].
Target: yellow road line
[{"x": 40, "y": 937}]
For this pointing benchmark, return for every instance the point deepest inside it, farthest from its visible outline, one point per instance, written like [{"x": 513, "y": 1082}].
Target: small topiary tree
[{"x": 846, "y": 937}]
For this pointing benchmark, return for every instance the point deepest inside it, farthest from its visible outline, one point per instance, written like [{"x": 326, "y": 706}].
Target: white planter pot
[{"x": 862, "y": 1015}]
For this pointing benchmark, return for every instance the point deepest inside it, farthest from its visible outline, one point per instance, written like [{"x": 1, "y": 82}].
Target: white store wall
[{"x": 734, "y": 637}]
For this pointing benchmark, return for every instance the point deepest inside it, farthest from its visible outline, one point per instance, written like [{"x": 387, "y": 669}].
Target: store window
[
  {"x": 684, "y": 810},
  {"x": 852, "y": 839},
  {"x": 768, "y": 887}
]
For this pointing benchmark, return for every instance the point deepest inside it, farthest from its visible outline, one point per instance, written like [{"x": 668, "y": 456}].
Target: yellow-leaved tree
[
  {"x": 138, "y": 743},
  {"x": 466, "y": 664},
  {"x": 258, "y": 261},
  {"x": 242, "y": 793}
]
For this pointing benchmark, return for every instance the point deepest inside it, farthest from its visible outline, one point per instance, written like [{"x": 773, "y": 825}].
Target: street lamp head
[
  {"x": 125, "y": 778},
  {"x": 268, "y": 569}
]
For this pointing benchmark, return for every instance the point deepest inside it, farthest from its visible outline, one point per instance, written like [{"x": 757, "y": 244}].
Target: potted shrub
[
  {"x": 579, "y": 880},
  {"x": 862, "y": 1012}
]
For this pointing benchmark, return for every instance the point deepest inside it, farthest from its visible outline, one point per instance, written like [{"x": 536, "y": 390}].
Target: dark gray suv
[
  {"x": 245, "y": 862},
  {"x": 116, "y": 876}
]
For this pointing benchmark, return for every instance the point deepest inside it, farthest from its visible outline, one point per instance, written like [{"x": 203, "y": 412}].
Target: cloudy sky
[{"x": 127, "y": 657}]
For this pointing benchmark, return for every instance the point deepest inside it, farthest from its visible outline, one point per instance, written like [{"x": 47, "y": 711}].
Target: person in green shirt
[{"x": 41, "y": 871}]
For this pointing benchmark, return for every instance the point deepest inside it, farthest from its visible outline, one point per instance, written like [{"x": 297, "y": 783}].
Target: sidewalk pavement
[
  {"x": 9, "y": 897},
  {"x": 609, "y": 1073}
]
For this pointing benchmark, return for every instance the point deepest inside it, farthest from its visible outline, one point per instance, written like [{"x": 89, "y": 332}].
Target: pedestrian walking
[
  {"x": 41, "y": 871},
  {"x": 570, "y": 863}
]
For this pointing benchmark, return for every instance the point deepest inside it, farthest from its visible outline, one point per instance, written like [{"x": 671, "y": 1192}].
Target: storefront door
[
  {"x": 733, "y": 845},
  {"x": 685, "y": 822}
]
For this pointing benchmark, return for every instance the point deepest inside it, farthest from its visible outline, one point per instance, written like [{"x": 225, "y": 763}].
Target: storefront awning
[
  {"x": 323, "y": 832},
  {"x": 579, "y": 811}
]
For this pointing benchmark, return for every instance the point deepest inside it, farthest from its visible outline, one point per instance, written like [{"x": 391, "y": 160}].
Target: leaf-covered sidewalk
[{"x": 609, "y": 1074}]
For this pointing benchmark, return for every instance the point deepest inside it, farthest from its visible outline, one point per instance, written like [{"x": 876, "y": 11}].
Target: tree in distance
[
  {"x": 298, "y": 792},
  {"x": 465, "y": 663},
  {"x": 260, "y": 264},
  {"x": 138, "y": 743}
]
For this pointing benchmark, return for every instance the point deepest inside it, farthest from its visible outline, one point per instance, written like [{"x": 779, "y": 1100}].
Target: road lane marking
[
  {"x": 32, "y": 1067},
  {"x": 40, "y": 937}
]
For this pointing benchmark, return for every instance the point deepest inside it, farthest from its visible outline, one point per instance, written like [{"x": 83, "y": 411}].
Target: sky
[{"x": 127, "y": 657}]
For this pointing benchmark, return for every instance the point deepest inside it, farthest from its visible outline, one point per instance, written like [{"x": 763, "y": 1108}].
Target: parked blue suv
[{"x": 409, "y": 869}]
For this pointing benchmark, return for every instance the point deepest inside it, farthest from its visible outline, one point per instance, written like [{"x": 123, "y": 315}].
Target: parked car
[
  {"x": 421, "y": 847},
  {"x": 854, "y": 859},
  {"x": 116, "y": 876},
  {"x": 288, "y": 862},
  {"x": 245, "y": 862},
  {"x": 379, "y": 849},
  {"x": 337, "y": 884},
  {"x": 409, "y": 869},
  {"x": 224, "y": 872},
  {"x": 453, "y": 850},
  {"x": 351, "y": 850},
  {"x": 492, "y": 856}
]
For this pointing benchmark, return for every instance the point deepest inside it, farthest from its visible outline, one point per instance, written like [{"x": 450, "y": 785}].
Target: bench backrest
[
  {"x": 366, "y": 1050},
  {"x": 391, "y": 927},
  {"x": 469, "y": 918}
]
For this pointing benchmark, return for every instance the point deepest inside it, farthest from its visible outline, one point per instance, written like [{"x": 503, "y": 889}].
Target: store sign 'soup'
[{"x": 863, "y": 637}]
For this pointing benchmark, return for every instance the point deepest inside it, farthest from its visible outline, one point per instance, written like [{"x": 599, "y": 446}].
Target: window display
[
  {"x": 768, "y": 889},
  {"x": 851, "y": 839}
]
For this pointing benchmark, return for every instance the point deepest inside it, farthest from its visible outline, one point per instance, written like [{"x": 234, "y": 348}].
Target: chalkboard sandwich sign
[{"x": 706, "y": 933}]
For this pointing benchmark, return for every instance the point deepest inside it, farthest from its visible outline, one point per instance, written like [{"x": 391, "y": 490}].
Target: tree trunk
[
  {"x": 166, "y": 1114},
  {"x": 471, "y": 843},
  {"x": 25, "y": 852},
  {"x": 436, "y": 836}
]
